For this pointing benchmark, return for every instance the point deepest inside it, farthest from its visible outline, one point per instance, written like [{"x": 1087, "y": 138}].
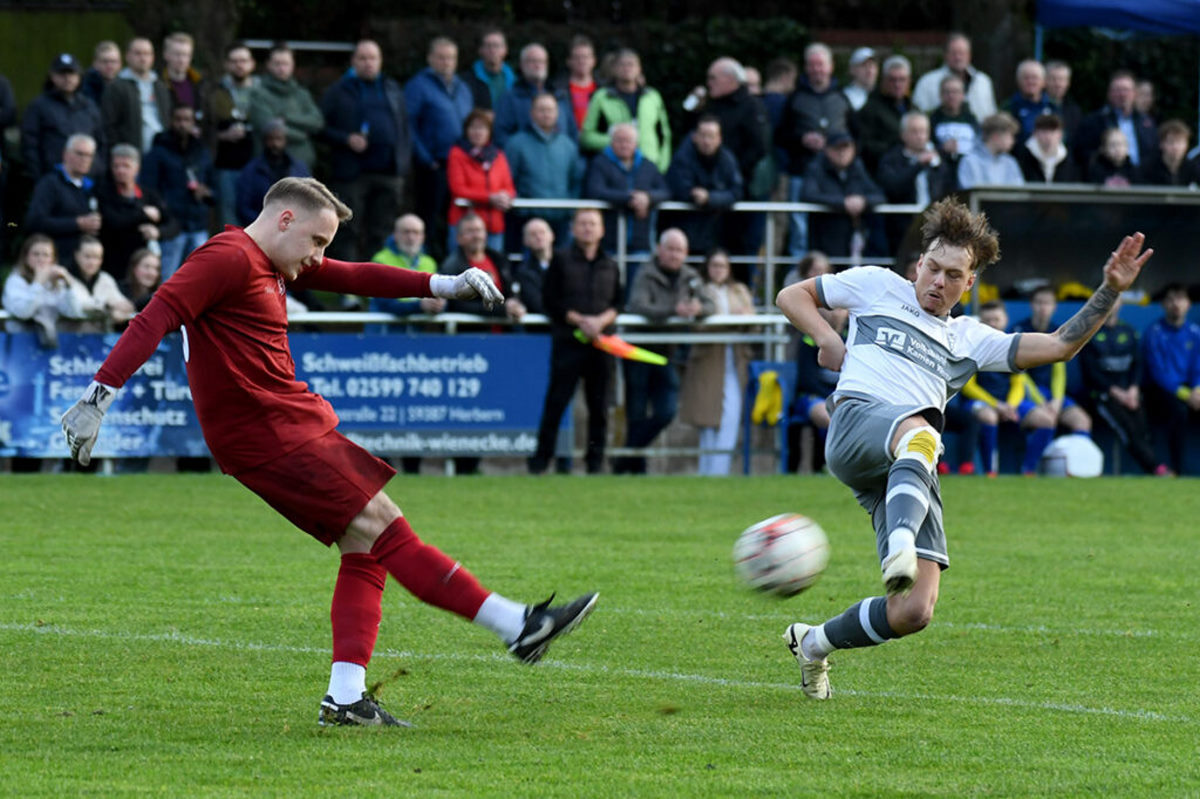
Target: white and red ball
[{"x": 782, "y": 555}]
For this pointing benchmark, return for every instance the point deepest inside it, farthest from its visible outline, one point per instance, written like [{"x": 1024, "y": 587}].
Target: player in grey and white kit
[{"x": 902, "y": 360}]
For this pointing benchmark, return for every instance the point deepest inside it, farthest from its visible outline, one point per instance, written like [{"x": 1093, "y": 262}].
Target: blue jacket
[
  {"x": 544, "y": 166},
  {"x": 435, "y": 115},
  {"x": 720, "y": 175},
  {"x": 608, "y": 179},
  {"x": 55, "y": 203},
  {"x": 831, "y": 233},
  {"x": 349, "y": 106},
  {"x": 256, "y": 177},
  {"x": 1027, "y": 111},
  {"x": 165, "y": 169},
  {"x": 1172, "y": 355},
  {"x": 512, "y": 111}
]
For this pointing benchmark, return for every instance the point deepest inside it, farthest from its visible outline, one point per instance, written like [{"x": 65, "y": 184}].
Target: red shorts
[{"x": 320, "y": 486}]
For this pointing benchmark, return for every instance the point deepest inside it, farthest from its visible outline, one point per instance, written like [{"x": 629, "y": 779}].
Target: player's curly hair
[{"x": 950, "y": 222}]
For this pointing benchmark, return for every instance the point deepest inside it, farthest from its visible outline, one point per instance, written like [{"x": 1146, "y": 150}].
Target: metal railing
[{"x": 770, "y": 259}]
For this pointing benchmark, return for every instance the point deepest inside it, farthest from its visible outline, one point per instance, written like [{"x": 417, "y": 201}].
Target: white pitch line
[{"x": 668, "y": 676}]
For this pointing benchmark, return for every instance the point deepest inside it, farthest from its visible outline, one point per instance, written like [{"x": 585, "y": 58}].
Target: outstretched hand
[
  {"x": 468, "y": 285},
  {"x": 1125, "y": 263}
]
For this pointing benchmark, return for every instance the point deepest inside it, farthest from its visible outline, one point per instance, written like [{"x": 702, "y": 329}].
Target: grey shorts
[{"x": 858, "y": 452}]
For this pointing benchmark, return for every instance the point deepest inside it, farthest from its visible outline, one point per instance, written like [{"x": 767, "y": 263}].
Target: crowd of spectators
[{"x": 135, "y": 161}]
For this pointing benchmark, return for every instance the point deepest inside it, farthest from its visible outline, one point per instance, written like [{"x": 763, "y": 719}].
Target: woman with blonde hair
[{"x": 715, "y": 378}]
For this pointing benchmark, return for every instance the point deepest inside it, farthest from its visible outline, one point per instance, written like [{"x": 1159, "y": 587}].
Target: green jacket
[
  {"x": 654, "y": 130},
  {"x": 275, "y": 99}
]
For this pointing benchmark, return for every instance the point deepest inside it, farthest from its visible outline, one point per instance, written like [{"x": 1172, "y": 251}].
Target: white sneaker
[
  {"x": 814, "y": 674},
  {"x": 900, "y": 570}
]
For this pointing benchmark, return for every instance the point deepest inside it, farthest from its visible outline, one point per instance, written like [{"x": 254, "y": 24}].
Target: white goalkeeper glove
[
  {"x": 466, "y": 286},
  {"x": 81, "y": 424}
]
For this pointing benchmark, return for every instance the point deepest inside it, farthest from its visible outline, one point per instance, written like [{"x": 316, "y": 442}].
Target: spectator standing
[
  {"x": 864, "y": 75},
  {"x": 628, "y": 99},
  {"x": 405, "y": 249},
  {"x": 489, "y": 77},
  {"x": 1144, "y": 99},
  {"x": 106, "y": 63},
  {"x": 981, "y": 97},
  {"x": 133, "y": 217},
  {"x": 1058, "y": 84},
  {"x": 229, "y": 114},
  {"x": 530, "y": 275},
  {"x": 1111, "y": 165},
  {"x": 839, "y": 179},
  {"x": 477, "y": 170},
  {"x": 187, "y": 86},
  {"x": 581, "y": 80},
  {"x": 136, "y": 105},
  {"x": 623, "y": 176},
  {"x": 1172, "y": 355},
  {"x": 743, "y": 117},
  {"x": 256, "y": 178},
  {"x": 438, "y": 104},
  {"x": 955, "y": 128},
  {"x": 545, "y": 164},
  {"x": 710, "y": 394},
  {"x": 64, "y": 204},
  {"x": 278, "y": 95},
  {"x": 1044, "y": 158},
  {"x": 58, "y": 112},
  {"x": 514, "y": 107},
  {"x": 780, "y": 83},
  {"x": 98, "y": 299},
  {"x": 877, "y": 124},
  {"x": 705, "y": 173},
  {"x": 1172, "y": 167},
  {"x": 1111, "y": 365},
  {"x": 813, "y": 111},
  {"x": 912, "y": 173},
  {"x": 366, "y": 124},
  {"x": 37, "y": 292},
  {"x": 179, "y": 168},
  {"x": 1030, "y": 101},
  {"x": 1141, "y": 136},
  {"x": 143, "y": 278},
  {"x": 991, "y": 162},
  {"x": 665, "y": 287},
  {"x": 8, "y": 117},
  {"x": 582, "y": 291}
]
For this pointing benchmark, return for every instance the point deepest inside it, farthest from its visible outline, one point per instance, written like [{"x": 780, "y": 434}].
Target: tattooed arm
[{"x": 1120, "y": 271}]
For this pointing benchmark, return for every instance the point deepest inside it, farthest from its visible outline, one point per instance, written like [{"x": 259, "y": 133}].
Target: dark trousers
[
  {"x": 571, "y": 361},
  {"x": 1131, "y": 430},
  {"x": 1170, "y": 416},
  {"x": 376, "y": 201},
  {"x": 651, "y": 401},
  {"x": 431, "y": 195}
]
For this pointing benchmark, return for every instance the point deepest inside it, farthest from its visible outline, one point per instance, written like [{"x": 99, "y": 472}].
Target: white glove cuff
[
  {"x": 443, "y": 285},
  {"x": 100, "y": 395}
]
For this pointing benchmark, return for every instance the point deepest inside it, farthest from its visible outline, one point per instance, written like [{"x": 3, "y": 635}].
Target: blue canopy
[{"x": 1152, "y": 16}]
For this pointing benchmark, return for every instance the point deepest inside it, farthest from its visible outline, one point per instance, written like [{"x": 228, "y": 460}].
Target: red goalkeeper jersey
[{"x": 230, "y": 303}]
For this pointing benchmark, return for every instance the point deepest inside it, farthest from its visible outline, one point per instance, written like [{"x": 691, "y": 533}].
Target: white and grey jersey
[{"x": 897, "y": 352}]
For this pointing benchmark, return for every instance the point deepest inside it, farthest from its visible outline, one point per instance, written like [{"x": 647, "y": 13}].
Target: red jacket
[{"x": 469, "y": 180}]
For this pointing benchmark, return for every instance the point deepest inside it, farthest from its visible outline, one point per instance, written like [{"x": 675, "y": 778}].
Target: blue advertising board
[{"x": 395, "y": 394}]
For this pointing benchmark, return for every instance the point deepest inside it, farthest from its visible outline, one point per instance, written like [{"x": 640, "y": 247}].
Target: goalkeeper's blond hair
[{"x": 308, "y": 193}]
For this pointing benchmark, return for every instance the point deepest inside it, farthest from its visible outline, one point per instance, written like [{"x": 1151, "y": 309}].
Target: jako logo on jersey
[
  {"x": 887, "y": 337},
  {"x": 279, "y": 287}
]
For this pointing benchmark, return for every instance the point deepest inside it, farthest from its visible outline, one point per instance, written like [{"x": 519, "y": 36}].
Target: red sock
[
  {"x": 357, "y": 608},
  {"x": 427, "y": 572}
]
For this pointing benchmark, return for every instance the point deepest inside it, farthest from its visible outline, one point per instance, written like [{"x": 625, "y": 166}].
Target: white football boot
[
  {"x": 900, "y": 570},
  {"x": 814, "y": 674}
]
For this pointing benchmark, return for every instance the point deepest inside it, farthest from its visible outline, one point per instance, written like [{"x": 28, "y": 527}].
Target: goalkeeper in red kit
[{"x": 279, "y": 440}]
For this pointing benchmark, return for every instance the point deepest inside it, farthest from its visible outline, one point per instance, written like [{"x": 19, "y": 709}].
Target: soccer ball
[{"x": 782, "y": 555}]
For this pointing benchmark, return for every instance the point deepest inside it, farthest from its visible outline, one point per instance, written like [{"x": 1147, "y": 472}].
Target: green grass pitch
[{"x": 168, "y": 635}]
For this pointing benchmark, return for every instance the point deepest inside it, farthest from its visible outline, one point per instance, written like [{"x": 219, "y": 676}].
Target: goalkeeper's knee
[{"x": 921, "y": 444}]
